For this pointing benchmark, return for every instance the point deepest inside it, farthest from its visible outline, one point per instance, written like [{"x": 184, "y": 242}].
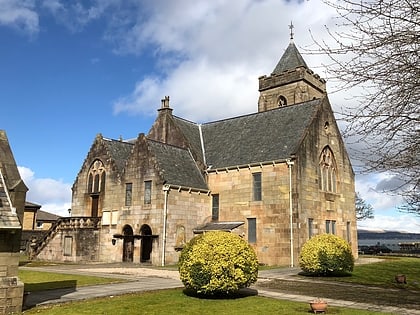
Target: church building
[{"x": 276, "y": 177}]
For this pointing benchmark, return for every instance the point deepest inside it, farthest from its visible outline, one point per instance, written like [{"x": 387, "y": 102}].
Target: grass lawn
[
  {"x": 38, "y": 281},
  {"x": 383, "y": 273},
  {"x": 174, "y": 301}
]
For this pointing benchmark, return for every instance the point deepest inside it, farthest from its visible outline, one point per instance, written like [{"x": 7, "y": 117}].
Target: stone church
[{"x": 275, "y": 177}]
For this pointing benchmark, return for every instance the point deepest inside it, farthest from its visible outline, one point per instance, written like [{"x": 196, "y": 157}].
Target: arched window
[
  {"x": 96, "y": 178},
  {"x": 328, "y": 171},
  {"x": 281, "y": 101}
]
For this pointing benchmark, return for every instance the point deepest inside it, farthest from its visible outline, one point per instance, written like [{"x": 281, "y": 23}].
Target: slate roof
[
  {"x": 261, "y": 137},
  {"x": 9, "y": 178},
  {"x": 46, "y": 216},
  {"x": 119, "y": 151},
  {"x": 290, "y": 60},
  {"x": 31, "y": 205},
  {"x": 217, "y": 226},
  {"x": 192, "y": 132},
  {"x": 255, "y": 138},
  {"x": 8, "y": 219},
  {"x": 8, "y": 163},
  {"x": 177, "y": 166}
]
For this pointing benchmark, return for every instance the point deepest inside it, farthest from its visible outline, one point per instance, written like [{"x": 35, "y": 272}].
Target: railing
[{"x": 67, "y": 223}]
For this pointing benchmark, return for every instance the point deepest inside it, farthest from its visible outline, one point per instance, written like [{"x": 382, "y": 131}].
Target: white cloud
[
  {"x": 209, "y": 57},
  {"x": 145, "y": 92},
  {"x": 54, "y": 6},
  {"x": 402, "y": 222},
  {"x": 385, "y": 205},
  {"x": 223, "y": 89},
  {"x": 53, "y": 195},
  {"x": 75, "y": 15},
  {"x": 20, "y": 15},
  {"x": 211, "y": 53},
  {"x": 367, "y": 186},
  {"x": 224, "y": 92}
]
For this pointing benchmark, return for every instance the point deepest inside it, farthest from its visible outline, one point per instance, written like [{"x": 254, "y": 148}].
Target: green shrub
[
  {"x": 217, "y": 262},
  {"x": 326, "y": 254}
]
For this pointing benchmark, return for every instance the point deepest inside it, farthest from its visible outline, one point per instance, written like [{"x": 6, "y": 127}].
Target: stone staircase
[{"x": 65, "y": 223}]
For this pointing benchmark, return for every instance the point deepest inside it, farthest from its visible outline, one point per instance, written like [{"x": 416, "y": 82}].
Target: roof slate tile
[
  {"x": 177, "y": 165},
  {"x": 290, "y": 60}
]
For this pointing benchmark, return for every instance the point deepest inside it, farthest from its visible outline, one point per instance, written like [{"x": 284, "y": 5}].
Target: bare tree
[
  {"x": 376, "y": 48},
  {"x": 363, "y": 209}
]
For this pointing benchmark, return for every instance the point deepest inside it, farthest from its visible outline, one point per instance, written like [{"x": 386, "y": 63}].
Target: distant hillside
[{"x": 386, "y": 235}]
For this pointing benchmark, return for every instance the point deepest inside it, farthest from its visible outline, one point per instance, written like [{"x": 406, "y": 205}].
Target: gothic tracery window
[
  {"x": 328, "y": 171},
  {"x": 96, "y": 177}
]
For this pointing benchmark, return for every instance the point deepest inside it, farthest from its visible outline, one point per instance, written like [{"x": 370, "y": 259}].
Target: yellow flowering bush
[
  {"x": 326, "y": 254},
  {"x": 217, "y": 263}
]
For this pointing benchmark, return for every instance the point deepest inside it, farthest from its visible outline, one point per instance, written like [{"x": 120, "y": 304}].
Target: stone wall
[
  {"x": 315, "y": 203},
  {"x": 185, "y": 210},
  {"x": 296, "y": 86},
  {"x": 11, "y": 288},
  {"x": 236, "y": 203},
  {"x": 73, "y": 240},
  {"x": 29, "y": 220}
]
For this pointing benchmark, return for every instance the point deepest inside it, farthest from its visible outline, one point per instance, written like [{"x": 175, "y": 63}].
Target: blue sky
[{"x": 72, "y": 69}]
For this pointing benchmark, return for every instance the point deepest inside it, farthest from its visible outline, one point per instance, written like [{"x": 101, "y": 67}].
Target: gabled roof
[
  {"x": 8, "y": 164},
  {"x": 177, "y": 166},
  {"x": 261, "y": 137},
  {"x": 255, "y": 138},
  {"x": 119, "y": 151},
  {"x": 191, "y": 131},
  {"x": 9, "y": 179},
  {"x": 290, "y": 60}
]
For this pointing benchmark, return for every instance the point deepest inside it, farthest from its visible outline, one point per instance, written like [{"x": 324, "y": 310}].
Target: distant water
[{"x": 391, "y": 244}]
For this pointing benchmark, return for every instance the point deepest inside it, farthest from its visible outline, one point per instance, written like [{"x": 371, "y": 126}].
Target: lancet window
[
  {"x": 328, "y": 171},
  {"x": 96, "y": 177}
]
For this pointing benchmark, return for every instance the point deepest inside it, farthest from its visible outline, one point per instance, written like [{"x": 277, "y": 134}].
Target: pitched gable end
[{"x": 176, "y": 131}]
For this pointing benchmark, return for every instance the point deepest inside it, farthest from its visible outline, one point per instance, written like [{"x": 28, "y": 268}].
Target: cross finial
[{"x": 291, "y": 27}]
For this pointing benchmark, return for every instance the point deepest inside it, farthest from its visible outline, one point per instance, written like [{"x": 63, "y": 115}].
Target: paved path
[
  {"x": 290, "y": 273},
  {"x": 137, "y": 280},
  {"x": 146, "y": 279},
  {"x": 94, "y": 291}
]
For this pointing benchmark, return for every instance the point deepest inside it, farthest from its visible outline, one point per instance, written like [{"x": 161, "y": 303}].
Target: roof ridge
[
  {"x": 166, "y": 144},
  {"x": 127, "y": 141},
  {"x": 260, "y": 113},
  {"x": 185, "y": 120}
]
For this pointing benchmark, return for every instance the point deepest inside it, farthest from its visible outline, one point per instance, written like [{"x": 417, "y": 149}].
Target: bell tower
[{"x": 291, "y": 81}]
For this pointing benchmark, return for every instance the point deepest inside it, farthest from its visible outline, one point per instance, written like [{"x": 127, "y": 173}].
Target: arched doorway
[
  {"x": 146, "y": 243},
  {"x": 128, "y": 244}
]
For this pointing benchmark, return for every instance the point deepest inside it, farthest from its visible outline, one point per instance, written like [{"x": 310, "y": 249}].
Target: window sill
[{"x": 330, "y": 196}]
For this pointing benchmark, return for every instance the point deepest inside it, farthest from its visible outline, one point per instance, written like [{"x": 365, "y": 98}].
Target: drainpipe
[
  {"x": 165, "y": 214},
  {"x": 289, "y": 163}
]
